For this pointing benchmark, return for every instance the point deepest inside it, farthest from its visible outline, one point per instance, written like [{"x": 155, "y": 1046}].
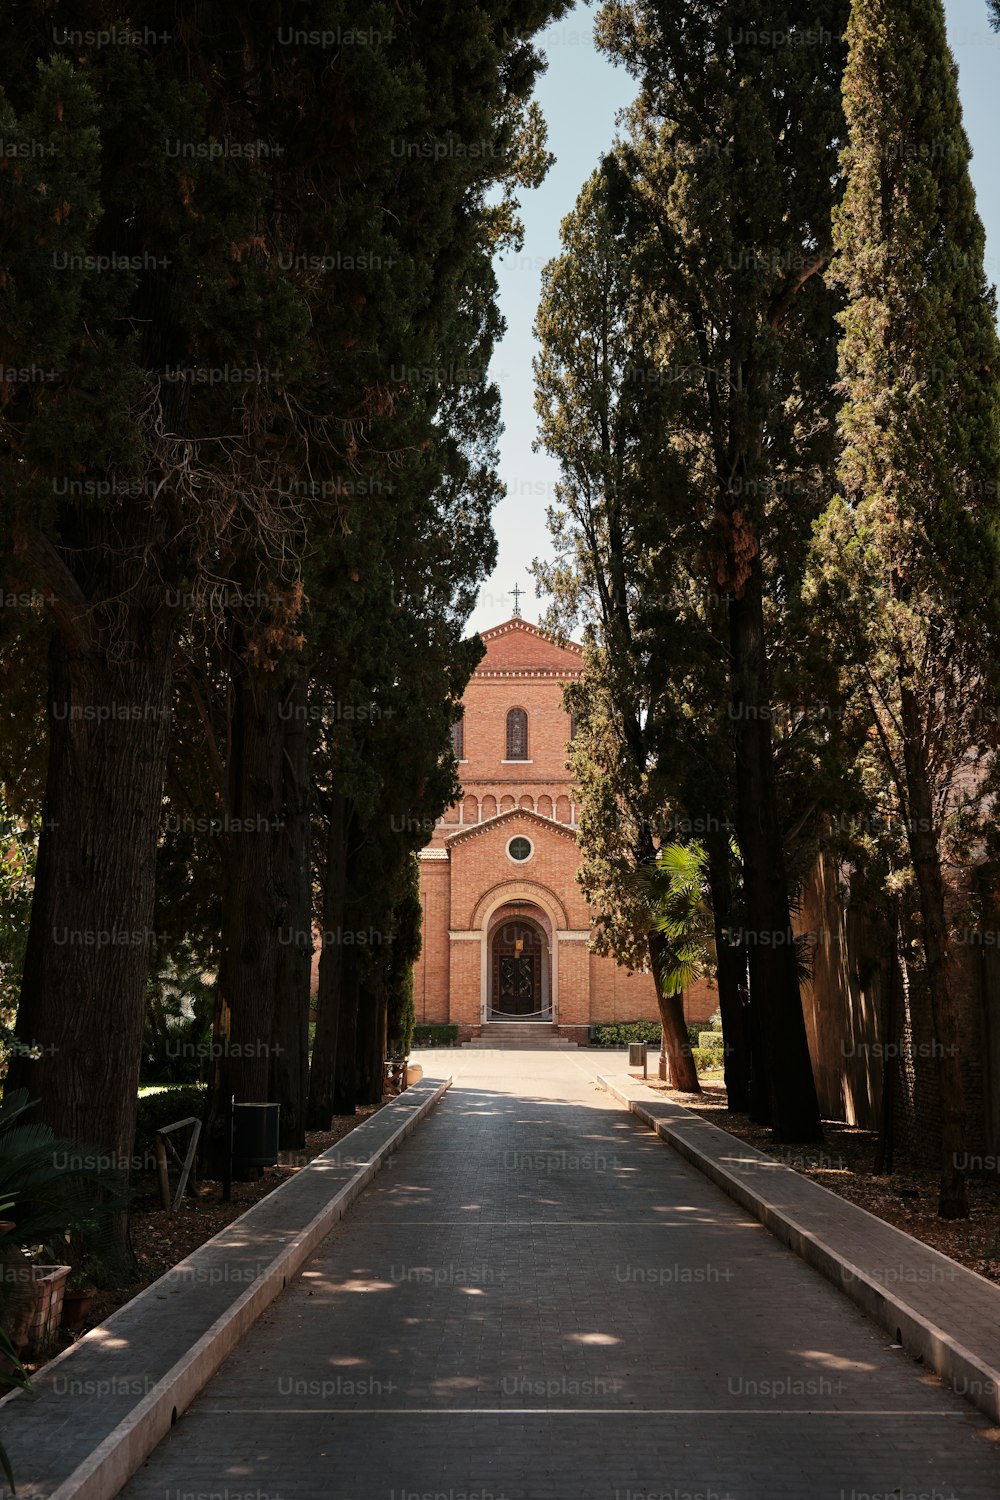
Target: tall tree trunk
[
  {"x": 252, "y": 904},
  {"x": 759, "y": 1106},
  {"x": 953, "y": 1201},
  {"x": 732, "y": 974},
  {"x": 323, "y": 1070},
  {"x": 885, "y": 1142},
  {"x": 83, "y": 994},
  {"x": 293, "y": 979},
  {"x": 371, "y": 1035},
  {"x": 775, "y": 997},
  {"x": 347, "y": 1081},
  {"x": 681, "y": 1065}
]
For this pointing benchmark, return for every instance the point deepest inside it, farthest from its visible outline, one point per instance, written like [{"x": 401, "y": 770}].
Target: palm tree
[{"x": 678, "y": 890}]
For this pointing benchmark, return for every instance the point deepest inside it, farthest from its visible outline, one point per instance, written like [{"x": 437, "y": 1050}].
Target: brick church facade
[{"x": 506, "y": 927}]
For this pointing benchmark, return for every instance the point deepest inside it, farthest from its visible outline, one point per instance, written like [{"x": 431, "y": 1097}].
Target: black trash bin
[{"x": 255, "y": 1135}]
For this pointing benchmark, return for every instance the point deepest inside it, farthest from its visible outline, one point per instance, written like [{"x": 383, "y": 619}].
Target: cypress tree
[
  {"x": 140, "y": 250},
  {"x": 727, "y": 178},
  {"x": 910, "y": 551}
]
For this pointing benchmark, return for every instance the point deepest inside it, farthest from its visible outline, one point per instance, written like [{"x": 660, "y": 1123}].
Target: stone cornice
[{"x": 563, "y": 674}]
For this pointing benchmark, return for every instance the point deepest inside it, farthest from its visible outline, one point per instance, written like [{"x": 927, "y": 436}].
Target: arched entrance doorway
[{"x": 519, "y": 968}]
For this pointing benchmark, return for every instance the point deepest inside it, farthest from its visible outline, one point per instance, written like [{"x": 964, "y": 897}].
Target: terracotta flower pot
[
  {"x": 41, "y": 1317},
  {"x": 76, "y": 1308}
]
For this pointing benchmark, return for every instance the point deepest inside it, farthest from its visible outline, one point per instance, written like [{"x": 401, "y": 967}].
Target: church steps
[{"x": 520, "y": 1034}]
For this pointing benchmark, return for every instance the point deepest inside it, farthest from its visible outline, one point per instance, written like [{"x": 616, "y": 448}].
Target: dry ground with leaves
[{"x": 906, "y": 1199}]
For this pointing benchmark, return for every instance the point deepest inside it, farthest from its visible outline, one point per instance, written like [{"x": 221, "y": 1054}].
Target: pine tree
[{"x": 910, "y": 552}]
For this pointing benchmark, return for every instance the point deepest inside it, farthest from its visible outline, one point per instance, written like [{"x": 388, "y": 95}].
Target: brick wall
[
  {"x": 480, "y": 865},
  {"x": 430, "y": 975},
  {"x": 472, "y": 871}
]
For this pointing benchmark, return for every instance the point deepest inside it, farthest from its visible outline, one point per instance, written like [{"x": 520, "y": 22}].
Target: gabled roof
[
  {"x": 519, "y": 649},
  {"x": 472, "y": 829}
]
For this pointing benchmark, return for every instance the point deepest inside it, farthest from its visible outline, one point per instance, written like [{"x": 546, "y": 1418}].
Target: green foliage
[
  {"x": 621, "y": 1033},
  {"x": 54, "y": 1192},
  {"x": 905, "y": 564},
  {"x": 723, "y": 187},
  {"x": 401, "y": 1017},
  {"x": 428, "y": 1035},
  {"x": 18, "y": 843},
  {"x": 15, "y": 1376},
  {"x": 906, "y": 559},
  {"x": 407, "y": 918},
  {"x": 178, "y": 1032},
  {"x": 329, "y": 514},
  {"x": 50, "y": 1187},
  {"x": 162, "y": 1107},
  {"x": 678, "y": 889}
]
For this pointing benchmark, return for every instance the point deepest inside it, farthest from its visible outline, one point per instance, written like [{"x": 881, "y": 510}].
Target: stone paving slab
[
  {"x": 101, "y": 1406},
  {"x": 936, "y": 1309},
  {"x": 538, "y": 1302}
]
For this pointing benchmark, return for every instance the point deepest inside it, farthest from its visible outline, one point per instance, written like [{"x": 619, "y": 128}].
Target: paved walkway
[
  {"x": 936, "y": 1309},
  {"x": 538, "y": 1298}
]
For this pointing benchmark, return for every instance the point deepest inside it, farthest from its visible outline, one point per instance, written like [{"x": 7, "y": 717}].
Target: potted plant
[
  {"x": 44, "y": 1201},
  {"x": 39, "y": 1199}
]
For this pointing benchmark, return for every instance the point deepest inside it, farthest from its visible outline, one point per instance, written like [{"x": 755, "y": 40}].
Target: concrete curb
[
  {"x": 971, "y": 1376},
  {"x": 117, "y": 1457}
]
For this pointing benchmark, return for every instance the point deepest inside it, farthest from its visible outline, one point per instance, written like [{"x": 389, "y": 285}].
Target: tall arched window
[
  {"x": 458, "y": 738},
  {"x": 517, "y": 734}
]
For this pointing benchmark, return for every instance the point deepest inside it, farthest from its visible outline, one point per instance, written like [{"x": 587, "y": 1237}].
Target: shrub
[
  {"x": 399, "y": 1010},
  {"x": 620, "y": 1033},
  {"x": 49, "y": 1187},
  {"x": 706, "y": 1059},
  {"x": 435, "y": 1036},
  {"x": 164, "y": 1107},
  {"x": 176, "y": 1051}
]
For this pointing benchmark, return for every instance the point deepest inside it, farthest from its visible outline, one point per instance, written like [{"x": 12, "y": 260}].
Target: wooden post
[
  {"x": 188, "y": 1162},
  {"x": 227, "y": 1169},
  {"x": 162, "y": 1173}
]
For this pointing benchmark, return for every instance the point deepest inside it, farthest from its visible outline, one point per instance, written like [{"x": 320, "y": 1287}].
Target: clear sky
[{"x": 581, "y": 94}]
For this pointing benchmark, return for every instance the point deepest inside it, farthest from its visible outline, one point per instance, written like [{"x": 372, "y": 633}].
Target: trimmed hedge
[
  {"x": 163, "y": 1108},
  {"x": 435, "y": 1036},
  {"x": 620, "y": 1033}
]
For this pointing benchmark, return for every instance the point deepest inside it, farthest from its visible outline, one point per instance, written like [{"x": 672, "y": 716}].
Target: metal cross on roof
[{"x": 517, "y": 592}]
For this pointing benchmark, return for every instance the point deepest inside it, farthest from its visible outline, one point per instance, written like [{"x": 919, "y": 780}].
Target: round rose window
[{"x": 519, "y": 848}]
